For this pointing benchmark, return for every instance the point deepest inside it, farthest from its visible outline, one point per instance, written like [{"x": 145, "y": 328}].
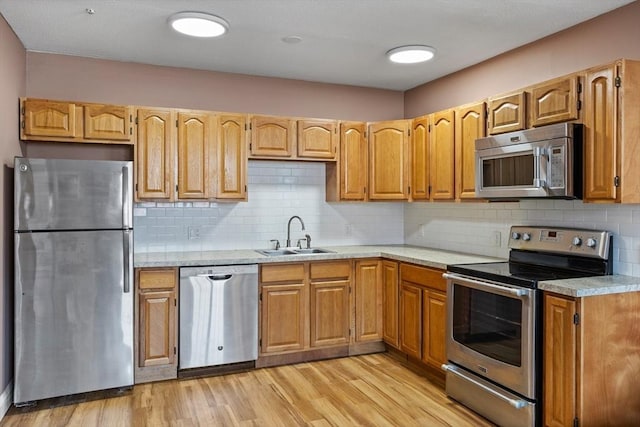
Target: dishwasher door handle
[{"x": 217, "y": 277}]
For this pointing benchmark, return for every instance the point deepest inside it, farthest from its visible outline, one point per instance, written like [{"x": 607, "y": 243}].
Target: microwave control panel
[{"x": 556, "y": 167}]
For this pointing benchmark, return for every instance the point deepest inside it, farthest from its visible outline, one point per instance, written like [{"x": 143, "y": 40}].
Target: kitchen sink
[{"x": 279, "y": 252}]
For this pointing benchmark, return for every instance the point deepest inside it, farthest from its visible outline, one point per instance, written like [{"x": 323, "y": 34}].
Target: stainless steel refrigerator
[{"x": 73, "y": 277}]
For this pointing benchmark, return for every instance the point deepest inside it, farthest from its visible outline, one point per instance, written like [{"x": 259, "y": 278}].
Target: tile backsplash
[{"x": 278, "y": 190}]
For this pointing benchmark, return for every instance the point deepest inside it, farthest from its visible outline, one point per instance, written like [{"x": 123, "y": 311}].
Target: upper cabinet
[
  {"x": 555, "y": 101},
  {"x": 318, "y": 139},
  {"x": 44, "y": 120},
  {"x": 272, "y": 137},
  {"x": 154, "y": 154},
  {"x": 420, "y": 158},
  {"x": 195, "y": 151},
  {"x": 611, "y": 133},
  {"x": 470, "y": 125},
  {"x": 442, "y": 160},
  {"x": 231, "y": 156},
  {"x": 347, "y": 178},
  {"x": 389, "y": 160},
  {"x": 507, "y": 113}
]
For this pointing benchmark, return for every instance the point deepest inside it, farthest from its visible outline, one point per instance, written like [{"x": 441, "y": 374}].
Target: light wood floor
[{"x": 371, "y": 390}]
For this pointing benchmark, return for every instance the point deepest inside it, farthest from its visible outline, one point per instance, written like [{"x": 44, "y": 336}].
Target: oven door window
[
  {"x": 513, "y": 170},
  {"x": 488, "y": 323}
]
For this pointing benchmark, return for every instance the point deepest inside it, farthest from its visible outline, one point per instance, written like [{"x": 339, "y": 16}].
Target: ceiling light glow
[
  {"x": 198, "y": 24},
  {"x": 411, "y": 54}
]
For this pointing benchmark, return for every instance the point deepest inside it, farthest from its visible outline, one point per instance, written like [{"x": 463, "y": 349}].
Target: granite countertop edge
[{"x": 592, "y": 286}]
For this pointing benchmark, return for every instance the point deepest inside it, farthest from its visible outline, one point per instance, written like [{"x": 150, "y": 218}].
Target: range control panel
[{"x": 576, "y": 241}]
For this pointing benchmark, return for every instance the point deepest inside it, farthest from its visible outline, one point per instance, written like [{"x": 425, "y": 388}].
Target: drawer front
[
  {"x": 425, "y": 276},
  {"x": 330, "y": 270},
  {"x": 282, "y": 273},
  {"x": 161, "y": 278}
]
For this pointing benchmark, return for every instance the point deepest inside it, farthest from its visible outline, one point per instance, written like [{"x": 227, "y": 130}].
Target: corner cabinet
[
  {"x": 60, "y": 121},
  {"x": 612, "y": 133},
  {"x": 156, "y": 324},
  {"x": 507, "y": 113},
  {"x": 389, "y": 160},
  {"x": 591, "y": 362},
  {"x": 470, "y": 125}
]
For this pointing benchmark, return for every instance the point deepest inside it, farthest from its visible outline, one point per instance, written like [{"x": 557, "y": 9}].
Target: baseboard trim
[{"x": 6, "y": 399}]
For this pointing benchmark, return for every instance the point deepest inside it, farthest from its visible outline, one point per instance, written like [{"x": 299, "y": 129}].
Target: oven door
[
  {"x": 491, "y": 331},
  {"x": 536, "y": 169}
]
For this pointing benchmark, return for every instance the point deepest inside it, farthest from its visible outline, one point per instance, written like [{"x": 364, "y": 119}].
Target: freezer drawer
[{"x": 218, "y": 315}]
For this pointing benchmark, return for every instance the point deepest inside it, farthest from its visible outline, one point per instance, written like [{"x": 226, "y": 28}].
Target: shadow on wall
[{"x": 7, "y": 275}]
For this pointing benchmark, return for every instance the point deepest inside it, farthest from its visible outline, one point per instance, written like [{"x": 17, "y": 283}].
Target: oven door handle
[
  {"x": 516, "y": 403},
  {"x": 477, "y": 284}
]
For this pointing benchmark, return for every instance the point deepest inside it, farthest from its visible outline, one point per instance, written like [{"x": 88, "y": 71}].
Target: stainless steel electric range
[{"x": 494, "y": 319}]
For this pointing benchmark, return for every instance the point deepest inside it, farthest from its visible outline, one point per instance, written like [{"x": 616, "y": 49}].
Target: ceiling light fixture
[
  {"x": 412, "y": 54},
  {"x": 198, "y": 24}
]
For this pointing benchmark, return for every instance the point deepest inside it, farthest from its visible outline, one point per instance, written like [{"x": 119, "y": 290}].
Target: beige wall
[
  {"x": 75, "y": 78},
  {"x": 598, "y": 41},
  {"x": 12, "y": 86}
]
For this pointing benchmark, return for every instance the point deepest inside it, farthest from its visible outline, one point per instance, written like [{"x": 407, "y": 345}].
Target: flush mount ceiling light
[
  {"x": 411, "y": 54},
  {"x": 198, "y": 24}
]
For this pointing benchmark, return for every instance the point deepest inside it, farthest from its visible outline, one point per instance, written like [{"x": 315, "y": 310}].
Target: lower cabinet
[
  {"x": 390, "y": 303},
  {"x": 329, "y": 306},
  {"x": 591, "y": 362},
  {"x": 422, "y": 314},
  {"x": 155, "y": 324},
  {"x": 368, "y": 300}
]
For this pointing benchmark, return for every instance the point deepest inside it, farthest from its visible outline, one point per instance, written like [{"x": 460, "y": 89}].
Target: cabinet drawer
[
  {"x": 424, "y": 276},
  {"x": 161, "y": 278},
  {"x": 282, "y": 273},
  {"x": 330, "y": 270}
]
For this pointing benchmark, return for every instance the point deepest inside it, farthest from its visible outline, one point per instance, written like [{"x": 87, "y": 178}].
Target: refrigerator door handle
[
  {"x": 127, "y": 235},
  {"x": 126, "y": 209}
]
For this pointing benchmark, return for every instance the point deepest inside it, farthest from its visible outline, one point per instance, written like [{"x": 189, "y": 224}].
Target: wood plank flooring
[{"x": 371, "y": 390}]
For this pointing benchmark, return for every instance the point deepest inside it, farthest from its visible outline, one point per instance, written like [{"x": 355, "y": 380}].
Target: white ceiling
[{"x": 343, "y": 41}]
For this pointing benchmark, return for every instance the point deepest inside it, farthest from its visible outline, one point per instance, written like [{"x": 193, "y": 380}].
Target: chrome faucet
[{"x": 289, "y": 229}]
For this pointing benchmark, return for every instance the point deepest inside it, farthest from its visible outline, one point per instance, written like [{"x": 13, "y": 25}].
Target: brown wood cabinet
[
  {"x": 554, "y": 101},
  {"x": 507, "y": 113},
  {"x": 389, "y": 160},
  {"x": 156, "y": 324},
  {"x": 423, "y": 314},
  {"x": 390, "y": 303},
  {"x": 442, "y": 155},
  {"x": 347, "y": 178},
  {"x": 420, "y": 158},
  {"x": 612, "y": 133},
  {"x": 155, "y": 154},
  {"x": 590, "y": 360},
  {"x": 231, "y": 159},
  {"x": 61, "y": 121},
  {"x": 318, "y": 139},
  {"x": 330, "y": 284},
  {"x": 195, "y": 155},
  {"x": 272, "y": 137},
  {"x": 368, "y": 300},
  {"x": 470, "y": 124}
]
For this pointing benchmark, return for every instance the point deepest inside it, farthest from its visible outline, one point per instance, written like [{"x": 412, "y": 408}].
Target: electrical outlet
[
  {"x": 497, "y": 238},
  {"x": 194, "y": 232},
  {"x": 348, "y": 229}
]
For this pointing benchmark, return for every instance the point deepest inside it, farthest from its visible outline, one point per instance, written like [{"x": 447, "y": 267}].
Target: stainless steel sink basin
[{"x": 279, "y": 252}]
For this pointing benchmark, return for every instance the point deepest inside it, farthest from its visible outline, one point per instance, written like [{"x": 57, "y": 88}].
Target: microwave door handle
[{"x": 538, "y": 152}]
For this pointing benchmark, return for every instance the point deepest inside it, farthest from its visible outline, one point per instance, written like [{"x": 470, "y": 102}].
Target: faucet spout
[{"x": 289, "y": 228}]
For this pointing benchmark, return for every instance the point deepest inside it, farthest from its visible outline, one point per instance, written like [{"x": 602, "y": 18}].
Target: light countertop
[{"x": 591, "y": 286}]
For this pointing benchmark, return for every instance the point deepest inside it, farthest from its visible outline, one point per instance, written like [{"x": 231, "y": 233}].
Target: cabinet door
[
  {"x": 283, "y": 317},
  {"x": 317, "y": 139},
  {"x": 195, "y": 148},
  {"x": 600, "y": 136},
  {"x": 272, "y": 136},
  {"x": 353, "y": 161},
  {"x": 410, "y": 319},
  {"x": 368, "y": 300},
  {"x": 434, "y": 320},
  {"x": 507, "y": 113},
  {"x": 470, "y": 125},
  {"x": 48, "y": 118},
  {"x": 154, "y": 154},
  {"x": 420, "y": 158},
  {"x": 232, "y": 157},
  {"x": 329, "y": 313},
  {"x": 157, "y": 311},
  {"x": 389, "y": 153},
  {"x": 560, "y": 353},
  {"x": 442, "y": 158},
  {"x": 554, "y": 101},
  {"x": 390, "y": 293},
  {"x": 108, "y": 122}
]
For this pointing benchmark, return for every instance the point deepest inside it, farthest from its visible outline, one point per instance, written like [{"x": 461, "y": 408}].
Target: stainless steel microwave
[{"x": 541, "y": 162}]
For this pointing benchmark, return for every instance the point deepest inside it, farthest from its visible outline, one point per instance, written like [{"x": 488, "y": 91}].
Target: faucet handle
[
  {"x": 277, "y": 243},
  {"x": 308, "y": 241},
  {"x": 299, "y": 244}
]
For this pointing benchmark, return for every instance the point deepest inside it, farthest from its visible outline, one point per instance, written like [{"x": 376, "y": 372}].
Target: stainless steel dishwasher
[{"x": 218, "y": 315}]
